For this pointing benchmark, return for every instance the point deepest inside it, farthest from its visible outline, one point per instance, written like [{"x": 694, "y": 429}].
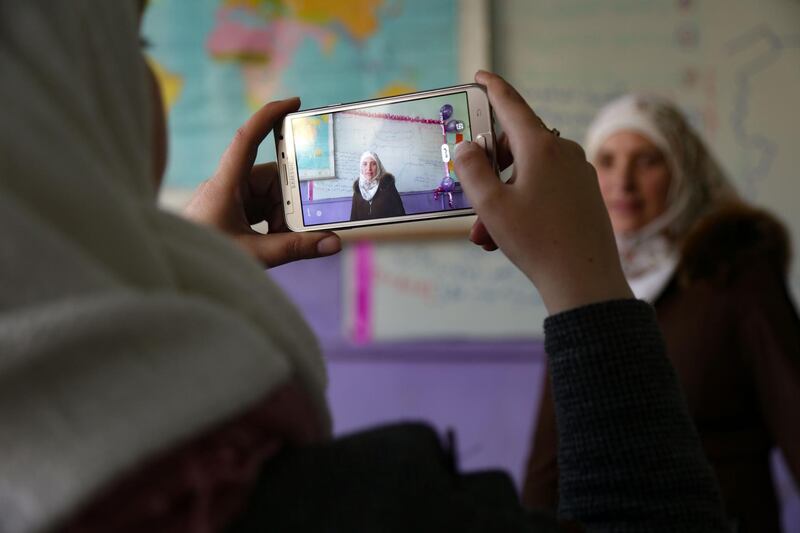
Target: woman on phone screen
[{"x": 374, "y": 192}]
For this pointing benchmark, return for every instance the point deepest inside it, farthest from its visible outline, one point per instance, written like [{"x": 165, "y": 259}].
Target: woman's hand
[
  {"x": 550, "y": 219},
  {"x": 241, "y": 194}
]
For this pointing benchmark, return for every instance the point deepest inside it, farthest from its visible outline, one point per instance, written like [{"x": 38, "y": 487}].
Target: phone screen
[{"x": 381, "y": 161}]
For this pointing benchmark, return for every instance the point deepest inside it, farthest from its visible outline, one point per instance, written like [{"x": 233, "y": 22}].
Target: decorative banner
[{"x": 392, "y": 116}]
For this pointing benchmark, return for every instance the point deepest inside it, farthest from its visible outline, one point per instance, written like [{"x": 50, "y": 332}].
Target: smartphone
[{"x": 380, "y": 161}]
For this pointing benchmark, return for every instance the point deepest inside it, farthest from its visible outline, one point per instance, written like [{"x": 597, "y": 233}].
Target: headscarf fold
[
  {"x": 369, "y": 187},
  {"x": 123, "y": 329},
  {"x": 697, "y": 185}
]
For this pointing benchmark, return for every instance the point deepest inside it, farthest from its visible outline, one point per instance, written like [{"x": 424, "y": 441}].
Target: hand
[
  {"x": 549, "y": 220},
  {"x": 241, "y": 194},
  {"x": 478, "y": 233}
]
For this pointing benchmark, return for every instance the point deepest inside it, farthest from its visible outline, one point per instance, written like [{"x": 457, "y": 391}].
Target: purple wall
[
  {"x": 338, "y": 209},
  {"x": 487, "y": 391}
]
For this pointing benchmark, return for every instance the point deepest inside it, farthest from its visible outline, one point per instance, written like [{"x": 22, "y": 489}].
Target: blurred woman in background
[{"x": 715, "y": 269}]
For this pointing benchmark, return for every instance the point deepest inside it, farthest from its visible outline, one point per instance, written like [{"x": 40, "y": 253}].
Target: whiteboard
[
  {"x": 410, "y": 151},
  {"x": 733, "y": 66},
  {"x": 436, "y": 289}
]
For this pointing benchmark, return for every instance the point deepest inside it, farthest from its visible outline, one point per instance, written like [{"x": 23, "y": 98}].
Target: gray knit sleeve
[{"x": 629, "y": 456}]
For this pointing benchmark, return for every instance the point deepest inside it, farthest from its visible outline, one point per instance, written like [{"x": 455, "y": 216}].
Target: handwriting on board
[{"x": 436, "y": 289}]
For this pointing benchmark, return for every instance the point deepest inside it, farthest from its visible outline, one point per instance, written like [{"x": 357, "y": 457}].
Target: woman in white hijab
[
  {"x": 715, "y": 269},
  {"x": 374, "y": 192},
  {"x": 124, "y": 330}
]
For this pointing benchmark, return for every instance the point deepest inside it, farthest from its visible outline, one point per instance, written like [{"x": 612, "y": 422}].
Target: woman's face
[
  {"x": 634, "y": 180},
  {"x": 369, "y": 168}
]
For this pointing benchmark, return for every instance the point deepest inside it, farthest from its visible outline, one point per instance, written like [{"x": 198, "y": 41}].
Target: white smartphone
[{"x": 380, "y": 161}]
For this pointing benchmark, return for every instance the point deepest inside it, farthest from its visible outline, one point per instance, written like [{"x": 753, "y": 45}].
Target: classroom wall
[
  {"x": 486, "y": 390},
  {"x": 732, "y": 65}
]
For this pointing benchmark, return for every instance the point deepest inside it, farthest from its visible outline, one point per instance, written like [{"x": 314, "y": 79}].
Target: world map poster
[{"x": 220, "y": 60}]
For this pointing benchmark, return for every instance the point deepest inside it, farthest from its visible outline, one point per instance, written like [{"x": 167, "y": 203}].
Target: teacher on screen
[{"x": 374, "y": 192}]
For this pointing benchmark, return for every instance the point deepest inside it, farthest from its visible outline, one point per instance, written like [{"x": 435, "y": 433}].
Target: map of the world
[{"x": 220, "y": 60}]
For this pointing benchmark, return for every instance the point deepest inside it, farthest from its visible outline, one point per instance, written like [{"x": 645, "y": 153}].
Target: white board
[
  {"x": 436, "y": 289},
  {"x": 408, "y": 150}
]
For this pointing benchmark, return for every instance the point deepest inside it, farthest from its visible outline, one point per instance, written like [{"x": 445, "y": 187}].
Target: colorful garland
[{"x": 392, "y": 116}]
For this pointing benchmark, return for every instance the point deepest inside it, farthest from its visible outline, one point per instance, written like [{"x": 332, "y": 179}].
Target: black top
[{"x": 385, "y": 203}]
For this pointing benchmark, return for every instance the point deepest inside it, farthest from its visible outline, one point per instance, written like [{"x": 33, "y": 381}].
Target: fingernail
[{"x": 329, "y": 245}]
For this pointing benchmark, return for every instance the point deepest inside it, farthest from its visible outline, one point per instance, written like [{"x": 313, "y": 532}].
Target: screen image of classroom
[{"x": 413, "y": 140}]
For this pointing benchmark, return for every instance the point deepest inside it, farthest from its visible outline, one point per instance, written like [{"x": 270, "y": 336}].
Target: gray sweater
[{"x": 628, "y": 454}]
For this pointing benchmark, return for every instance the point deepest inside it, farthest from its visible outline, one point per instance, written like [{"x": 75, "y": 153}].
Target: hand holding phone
[
  {"x": 380, "y": 161},
  {"x": 241, "y": 194},
  {"x": 549, "y": 219}
]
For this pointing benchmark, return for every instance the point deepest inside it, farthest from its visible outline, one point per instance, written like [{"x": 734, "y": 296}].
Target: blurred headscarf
[
  {"x": 368, "y": 186},
  {"x": 697, "y": 185},
  {"x": 123, "y": 329}
]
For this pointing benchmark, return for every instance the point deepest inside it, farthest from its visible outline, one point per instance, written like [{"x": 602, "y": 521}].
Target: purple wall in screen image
[{"x": 338, "y": 209}]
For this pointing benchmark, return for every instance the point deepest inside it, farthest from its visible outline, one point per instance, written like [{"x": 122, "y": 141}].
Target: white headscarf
[
  {"x": 697, "y": 184},
  {"x": 369, "y": 187},
  {"x": 123, "y": 329}
]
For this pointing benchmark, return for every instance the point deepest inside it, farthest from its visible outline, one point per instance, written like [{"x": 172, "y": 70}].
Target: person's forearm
[{"x": 629, "y": 456}]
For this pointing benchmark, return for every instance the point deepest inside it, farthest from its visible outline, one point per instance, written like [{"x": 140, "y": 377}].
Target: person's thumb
[
  {"x": 476, "y": 174},
  {"x": 275, "y": 249}
]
